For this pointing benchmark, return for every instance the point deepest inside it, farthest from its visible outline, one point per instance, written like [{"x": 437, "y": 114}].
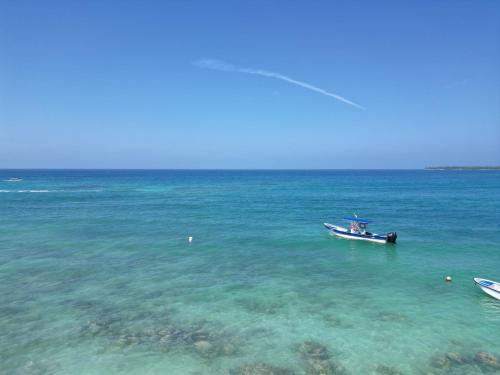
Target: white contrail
[{"x": 221, "y": 65}]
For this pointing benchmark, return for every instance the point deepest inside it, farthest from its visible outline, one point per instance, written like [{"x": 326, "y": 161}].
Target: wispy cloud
[
  {"x": 223, "y": 66},
  {"x": 462, "y": 82}
]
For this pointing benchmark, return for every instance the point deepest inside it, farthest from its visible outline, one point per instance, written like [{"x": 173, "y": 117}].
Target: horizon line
[{"x": 233, "y": 169}]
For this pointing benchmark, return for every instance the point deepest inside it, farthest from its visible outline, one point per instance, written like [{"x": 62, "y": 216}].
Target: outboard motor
[{"x": 391, "y": 237}]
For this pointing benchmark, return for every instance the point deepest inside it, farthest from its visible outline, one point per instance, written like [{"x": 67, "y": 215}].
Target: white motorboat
[
  {"x": 358, "y": 231},
  {"x": 491, "y": 288},
  {"x": 14, "y": 179}
]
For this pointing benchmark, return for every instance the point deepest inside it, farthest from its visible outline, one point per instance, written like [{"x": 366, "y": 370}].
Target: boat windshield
[{"x": 355, "y": 227}]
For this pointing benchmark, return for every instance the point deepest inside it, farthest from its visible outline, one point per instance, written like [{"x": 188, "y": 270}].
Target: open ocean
[{"x": 97, "y": 275}]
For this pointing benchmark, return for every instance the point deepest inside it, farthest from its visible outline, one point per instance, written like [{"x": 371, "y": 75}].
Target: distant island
[{"x": 464, "y": 168}]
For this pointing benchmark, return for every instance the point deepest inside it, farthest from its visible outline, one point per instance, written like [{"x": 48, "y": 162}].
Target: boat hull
[
  {"x": 344, "y": 233},
  {"x": 491, "y": 288}
]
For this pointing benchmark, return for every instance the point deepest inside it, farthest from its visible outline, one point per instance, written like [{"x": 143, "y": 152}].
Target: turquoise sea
[{"x": 97, "y": 275}]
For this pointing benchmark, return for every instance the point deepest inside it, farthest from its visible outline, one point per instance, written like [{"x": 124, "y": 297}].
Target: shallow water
[{"x": 97, "y": 275}]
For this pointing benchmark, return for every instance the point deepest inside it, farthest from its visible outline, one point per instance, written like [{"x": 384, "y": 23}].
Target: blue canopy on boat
[{"x": 357, "y": 220}]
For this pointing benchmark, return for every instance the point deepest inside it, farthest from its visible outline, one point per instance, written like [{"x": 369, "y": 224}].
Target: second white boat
[{"x": 491, "y": 288}]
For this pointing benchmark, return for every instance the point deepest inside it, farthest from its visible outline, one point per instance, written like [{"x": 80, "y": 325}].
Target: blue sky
[{"x": 117, "y": 84}]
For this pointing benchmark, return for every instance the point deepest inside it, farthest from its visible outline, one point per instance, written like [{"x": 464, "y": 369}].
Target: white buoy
[
  {"x": 190, "y": 239},
  {"x": 448, "y": 278}
]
